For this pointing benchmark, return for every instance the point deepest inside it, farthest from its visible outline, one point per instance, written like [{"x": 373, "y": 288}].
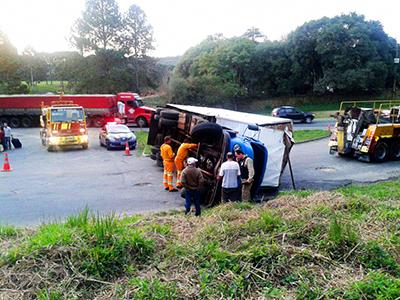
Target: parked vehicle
[
  {"x": 115, "y": 136},
  {"x": 206, "y": 126},
  {"x": 368, "y": 130},
  {"x": 292, "y": 113},
  {"x": 24, "y": 110},
  {"x": 63, "y": 124}
]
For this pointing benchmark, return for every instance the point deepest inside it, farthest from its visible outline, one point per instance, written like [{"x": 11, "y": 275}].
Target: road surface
[{"x": 46, "y": 186}]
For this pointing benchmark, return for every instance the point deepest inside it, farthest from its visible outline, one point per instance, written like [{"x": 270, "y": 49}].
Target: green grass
[
  {"x": 343, "y": 244},
  {"x": 311, "y": 134},
  {"x": 44, "y": 87},
  {"x": 143, "y": 148}
]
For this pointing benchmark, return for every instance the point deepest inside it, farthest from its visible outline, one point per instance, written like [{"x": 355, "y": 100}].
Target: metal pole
[
  {"x": 396, "y": 62},
  {"x": 291, "y": 173}
]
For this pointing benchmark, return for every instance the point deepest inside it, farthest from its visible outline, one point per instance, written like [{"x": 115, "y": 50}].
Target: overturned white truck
[{"x": 268, "y": 140}]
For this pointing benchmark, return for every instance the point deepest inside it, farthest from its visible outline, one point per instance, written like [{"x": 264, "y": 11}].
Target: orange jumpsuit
[
  {"x": 181, "y": 155},
  {"x": 168, "y": 160}
]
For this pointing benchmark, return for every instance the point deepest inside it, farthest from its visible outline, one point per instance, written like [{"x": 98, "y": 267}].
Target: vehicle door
[
  {"x": 131, "y": 107},
  {"x": 294, "y": 114}
]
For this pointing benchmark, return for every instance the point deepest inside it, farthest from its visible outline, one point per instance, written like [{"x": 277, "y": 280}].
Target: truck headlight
[
  {"x": 53, "y": 140},
  {"x": 82, "y": 130},
  {"x": 84, "y": 138}
]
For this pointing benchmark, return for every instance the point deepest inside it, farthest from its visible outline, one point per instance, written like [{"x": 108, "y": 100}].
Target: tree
[
  {"x": 10, "y": 82},
  {"x": 136, "y": 38},
  {"x": 254, "y": 34},
  {"x": 99, "y": 26}
]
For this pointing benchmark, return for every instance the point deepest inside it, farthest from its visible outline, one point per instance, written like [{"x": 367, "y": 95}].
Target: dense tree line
[
  {"x": 111, "y": 55},
  {"x": 342, "y": 55}
]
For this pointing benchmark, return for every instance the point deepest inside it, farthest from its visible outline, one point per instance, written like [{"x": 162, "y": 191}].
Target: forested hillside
[{"x": 344, "y": 55}]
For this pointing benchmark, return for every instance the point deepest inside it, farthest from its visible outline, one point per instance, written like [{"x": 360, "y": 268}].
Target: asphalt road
[
  {"x": 316, "y": 124},
  {"x": 45, "y": 186},
  {"x": 314, "y": 168}
]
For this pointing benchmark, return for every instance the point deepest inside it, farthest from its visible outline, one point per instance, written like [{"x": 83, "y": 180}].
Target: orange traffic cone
[
  {"x": 127, "y": 150},
  {"x": 6, "y": 166}
]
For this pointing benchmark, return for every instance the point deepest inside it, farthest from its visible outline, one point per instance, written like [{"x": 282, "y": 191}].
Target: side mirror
[{"x": 253, "y": 127}]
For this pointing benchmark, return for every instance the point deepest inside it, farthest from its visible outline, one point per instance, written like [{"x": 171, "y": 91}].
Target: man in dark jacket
[{"x": 192, "y": 180}]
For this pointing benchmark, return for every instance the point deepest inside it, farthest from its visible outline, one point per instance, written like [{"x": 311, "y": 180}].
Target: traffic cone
[
  {"x": 6, "y": 166},
  {"x": 127, "y": 150}
]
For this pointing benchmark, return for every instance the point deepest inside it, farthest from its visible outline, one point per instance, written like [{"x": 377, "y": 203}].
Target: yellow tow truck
[{"x": 367, "y": 130}]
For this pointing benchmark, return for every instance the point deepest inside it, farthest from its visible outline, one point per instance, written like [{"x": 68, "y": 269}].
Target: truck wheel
[
  {"x": 395, "y": 150},
  {"x": 381, "y": 152},
  {"x": 167, "y": 123},
  {"x": 170, "y": 115},
  {"x": 206, "y": 132},
  {"x": 50, "y": 148},
  {"x": 155, "y": 149},
  {"x": 98, "y": 122},
  {"x": 26, "y": 122},
  {"x": 141, "y": 122},
  {"x": 85, "y": 147},
  {"x": 3, "y": 120},
  {"x": 15, "y": 122}
]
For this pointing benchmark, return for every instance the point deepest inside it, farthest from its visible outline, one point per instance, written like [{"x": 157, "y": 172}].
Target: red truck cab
[{"x": 135, "y": 110}]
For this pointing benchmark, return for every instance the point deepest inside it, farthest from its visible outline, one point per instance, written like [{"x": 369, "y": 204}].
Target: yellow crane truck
[
  {"x": 367, "y": 130},
  {"x": 63, "y": 124}
]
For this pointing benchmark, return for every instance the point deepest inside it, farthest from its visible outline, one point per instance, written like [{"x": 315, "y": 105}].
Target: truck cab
[
  {"x": 135, "y": 110},
  {"x": 63, "y": 124}
]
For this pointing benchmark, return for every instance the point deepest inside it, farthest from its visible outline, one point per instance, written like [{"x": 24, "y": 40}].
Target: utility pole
[{"x": 396, "y": 62}]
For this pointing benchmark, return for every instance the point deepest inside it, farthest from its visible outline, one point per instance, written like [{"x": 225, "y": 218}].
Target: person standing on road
[
  {"x": 7, "y": 137},
  {"x": 247, "y": 174},
  {"x": 180, "y": 157},
  {"x": 168, "y": 161},
  {"x": 192, "y": 180},
  {"x": 230, "y": 174}
]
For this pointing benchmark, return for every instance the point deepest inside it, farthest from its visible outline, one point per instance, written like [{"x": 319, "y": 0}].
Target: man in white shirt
[
  {"x": 7, "y": 137},
  {"x": 230, "y": 174}
]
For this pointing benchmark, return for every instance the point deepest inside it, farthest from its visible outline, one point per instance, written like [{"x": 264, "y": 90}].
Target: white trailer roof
[{"x": 260, "y": 120}]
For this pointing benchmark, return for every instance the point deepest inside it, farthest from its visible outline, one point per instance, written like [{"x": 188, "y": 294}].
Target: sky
[{"x": 180, "y": 24}]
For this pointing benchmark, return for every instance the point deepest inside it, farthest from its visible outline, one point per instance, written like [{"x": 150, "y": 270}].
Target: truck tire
[
  {"x": 3, "y": 120},
  {"x": 15, "y": 122},
  {"x": 98, "y": 122},
  {"x": 395, "y": 150},
  {"x": 167, "y": 123},
  {"x": 159, "y": 110},
  {"x": 141, "y": 122},
  {"x": 170, "y": 115},
  {"x": 26, "y": 122},
  {"x": 206, "y": 132},
  {"x": 85, "y": 146},
  {"x": 159, "y": 160},
  {"x": 381, "y": 152}
]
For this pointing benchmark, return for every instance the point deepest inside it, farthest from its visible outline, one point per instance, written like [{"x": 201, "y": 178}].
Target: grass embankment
[
  {"x": 343, "y": 244},
  {"x": 44, "y": 87},
  {"x": 142, "y": 147},
  {"x": 309, "y": 135}
]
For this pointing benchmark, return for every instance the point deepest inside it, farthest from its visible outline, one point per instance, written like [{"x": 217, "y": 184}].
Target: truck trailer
[{"x": 24, "y": 110}]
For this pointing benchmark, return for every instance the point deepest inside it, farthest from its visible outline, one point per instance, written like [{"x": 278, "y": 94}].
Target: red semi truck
[{"x": 24, "y": 110}]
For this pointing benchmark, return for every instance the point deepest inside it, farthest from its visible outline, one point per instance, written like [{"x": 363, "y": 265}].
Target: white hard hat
[{"x": 191, "y": 161}]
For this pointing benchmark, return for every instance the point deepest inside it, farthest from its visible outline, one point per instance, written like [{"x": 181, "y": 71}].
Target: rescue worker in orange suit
[
  {"x": 168, "y": 160},
  {"x": 180, "y": 157}
]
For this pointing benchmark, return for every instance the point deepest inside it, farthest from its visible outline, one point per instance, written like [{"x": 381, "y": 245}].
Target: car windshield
[
  {"x": 118, "y": 129},
  {"x": 67, "y": 114}
]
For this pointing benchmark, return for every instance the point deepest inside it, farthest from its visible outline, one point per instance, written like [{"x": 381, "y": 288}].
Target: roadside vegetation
[
  {"x": 343, "y": 244},
  {"x": 309, "y": 135},
  {"x": 43, "y": 87},
  {"x": 141, "y": 138}
]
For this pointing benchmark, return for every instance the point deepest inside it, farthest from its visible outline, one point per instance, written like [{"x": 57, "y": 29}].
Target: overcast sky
[{"x": 180, "y": 24}]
